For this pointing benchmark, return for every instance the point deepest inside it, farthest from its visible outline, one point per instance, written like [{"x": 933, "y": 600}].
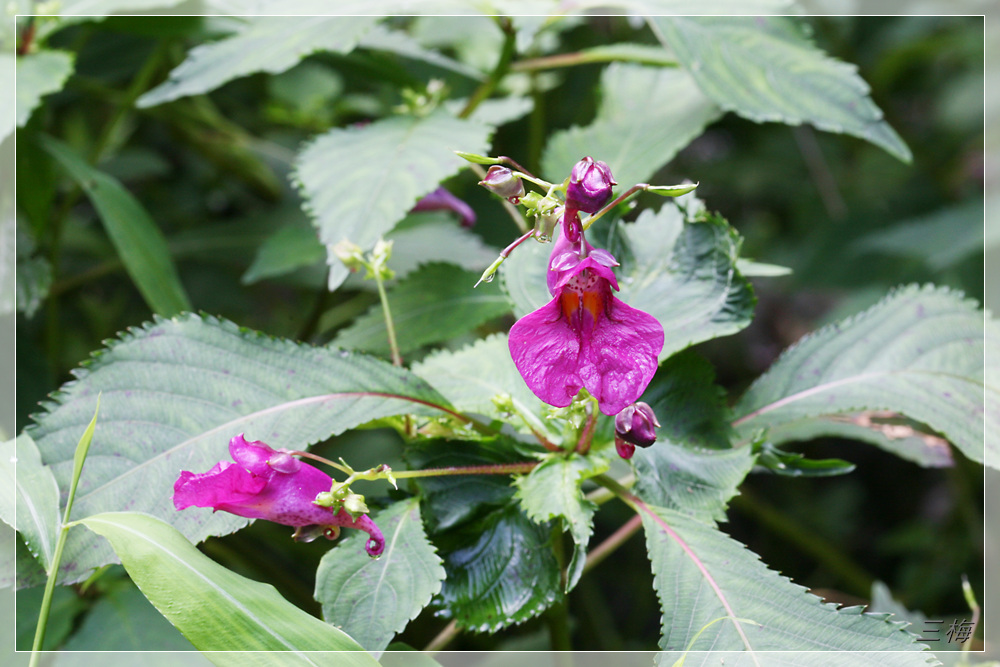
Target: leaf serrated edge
[
  {"x": 895, "y": 293},
  {"x": 98, "y": 358}
]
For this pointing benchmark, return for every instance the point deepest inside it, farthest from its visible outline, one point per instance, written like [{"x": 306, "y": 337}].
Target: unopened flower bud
[
  {"x": 349, "y": 253},
  {"x": 636, "y": 425},
  {"x": 502, "y": 181},
  {"x": 589, "y": 186}
]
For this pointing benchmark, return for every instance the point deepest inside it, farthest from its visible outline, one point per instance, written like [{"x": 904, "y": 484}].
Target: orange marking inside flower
[{"x": 572, "y": 302}]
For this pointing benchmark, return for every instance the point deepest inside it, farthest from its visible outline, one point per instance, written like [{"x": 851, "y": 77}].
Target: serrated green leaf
[
  {"x": 470, "y": 377},
  {"x": 919, "y": 352},
  {"x": 124, "y": 620},
  {"x": 37, "y": 497},
  {"x": 39, "y": 74},
  {"x": 682, "y": 273},
  {"x": 434, "y": 303},
  {"x": 216, "y": 609},
  {"x": 552, "y": 490},
  {"x": 701, "y": 574},
  {"x": 174, "y": 393},
  {"x": 358, "y": 182},
  {"x": 905, "y": 441},
  {"x": 646, "y": 116},
  {"x": 765, "y": 69},
  {"x": 501, "y": 571},
  {"x": 267, "y": 44},
  {"x": 695, "y": 482},
  {"x": 139, "y": 242},
  {"x": 373, "y": 599}
]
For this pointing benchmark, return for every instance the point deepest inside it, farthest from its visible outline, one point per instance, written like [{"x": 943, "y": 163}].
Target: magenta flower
[
  {"x": 585, "y": 338},
  {"x": 270, "y": 484}
]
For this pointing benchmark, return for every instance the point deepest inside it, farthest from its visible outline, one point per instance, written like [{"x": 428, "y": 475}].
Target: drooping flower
[
  {"x": 585, "y": 337},
  {"x": 442, "y": 200},
  {"x": 635, "y": 426},
  {"x": 589, "y": 185},
  {"x": 270, "y": 484}
]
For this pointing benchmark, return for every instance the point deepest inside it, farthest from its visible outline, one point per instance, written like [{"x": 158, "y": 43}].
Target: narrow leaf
[
  {"x": 39, "y": 74},
  {"x": 919, "y": 352},
  {"x": 435, "y": 303},
  {"x": 267, "y": 44},
  {"x": 139, "y": 242},
  {"x": 765, "y": 69},
  {"x": 701, "y": 574},
  {"x": 372, "y": 600},
  {"x": 358, "y": 182},
  {"x": 681, "y": 272},
  {"x": 216, "y": 609},
  {"x": 174, "y": 393},
  {"x": 646, "y": 115},
  {"x": 37, "y": 497}
]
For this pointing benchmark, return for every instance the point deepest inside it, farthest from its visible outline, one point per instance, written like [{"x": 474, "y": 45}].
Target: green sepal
[{"x": 475, "y": 158}]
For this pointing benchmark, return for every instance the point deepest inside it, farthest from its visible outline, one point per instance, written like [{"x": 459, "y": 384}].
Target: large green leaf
[
  {"x": 701, "y": 575},
  {"x": 919, "y": 352},
  {"x": 501, "y": 570},
  {"x": 267, "y": 44},
  {"x": 37, "y": 497},
  {"x": 765, "y": 69},
  {"x": 552, "y": 490},
  {"x": 139, "y": 242},
  {"x": 470, "y": 377},
  {"x": 373, "y": 599},
  {"x": 215, "y": 608},
  {"x": 175, "y": 391},
  {"x": 681, "y": 272},
  {"x": 435, "y": 303},
  {"x": 695, "y": 482},
  {"x": 646, "y": 116},
  {"x": 358, "y": 182},
  {"x": 39, "y": 74}
]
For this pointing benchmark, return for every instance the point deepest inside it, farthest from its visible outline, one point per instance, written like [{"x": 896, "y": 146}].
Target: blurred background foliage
[{"x": 850, "y": 220}]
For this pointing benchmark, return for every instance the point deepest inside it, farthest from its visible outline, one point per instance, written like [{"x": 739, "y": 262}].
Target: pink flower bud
[{"x": 589, "y": 186}]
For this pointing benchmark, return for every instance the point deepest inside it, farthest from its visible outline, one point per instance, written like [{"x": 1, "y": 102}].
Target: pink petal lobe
[
  {"x": 619, "y": 359},
  {"x": 546, "y": 350}
]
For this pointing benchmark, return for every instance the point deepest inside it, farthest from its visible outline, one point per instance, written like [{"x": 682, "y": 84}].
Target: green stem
[
  {"x": 397, "y": 359},
  {"x": 615, "y": 540},
  {"x": 442, "y": 639},
  {"x": 618, "y": 200},
  {"x": 82, "y": 447},
  {"x": 499, "y": 71}
]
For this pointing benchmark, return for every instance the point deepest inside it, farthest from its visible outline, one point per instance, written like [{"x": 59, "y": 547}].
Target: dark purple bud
[
  {"x": 636, "y": 424},
  {"x": 442, "y": 200},
  {"x": 589, "y": 186},
  {"x": 502, "y": 181}
]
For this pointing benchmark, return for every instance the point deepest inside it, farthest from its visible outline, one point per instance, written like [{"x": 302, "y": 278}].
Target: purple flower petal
[{"x": 545, "y": 350}]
